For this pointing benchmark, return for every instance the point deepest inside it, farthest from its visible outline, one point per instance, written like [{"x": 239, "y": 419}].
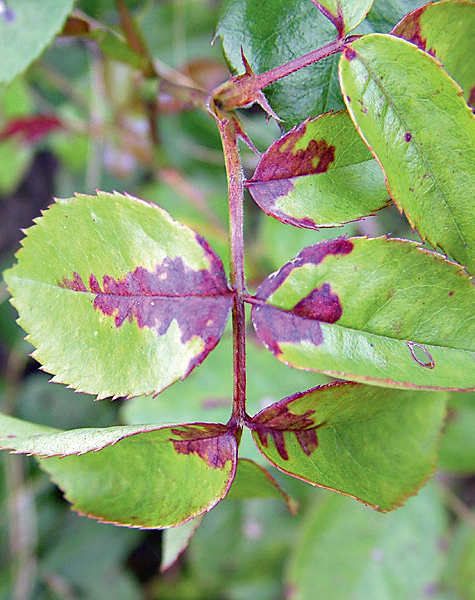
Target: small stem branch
[
  {"x": 229, "y": 129},
  {"x": 274, "y": 75},
  {"x": 245, "y": 89}
]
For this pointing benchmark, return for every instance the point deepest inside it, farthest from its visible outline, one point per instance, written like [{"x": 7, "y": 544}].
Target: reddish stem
[
  {"x": 273, "y": 75},
  {"x": 229, "y": 130}
]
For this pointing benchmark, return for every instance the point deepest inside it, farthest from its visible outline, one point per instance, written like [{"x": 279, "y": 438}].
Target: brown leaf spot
[{"x": 213, "y": 443}]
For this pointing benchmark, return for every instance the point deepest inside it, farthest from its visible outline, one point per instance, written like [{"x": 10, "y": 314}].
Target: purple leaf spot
[
  {"x": 451, "y": 293},
  {"x": 471, "y": 99},
  {"x": 8, "y": 14},
  {"x": 410, "y": 28},
  {"x": 276, "y": 420},
  {"x": 282, "y": 160},
  {"x": 407, "y": 137},
  {"x": 213, "y": 443},
  {"x": 421, "y": 355},
  {"x": 275, "y": 326},
  {"x": 349, "y": 53},
  {"x": 199, "y": 301},
  {"x": 320, "y": 304}
]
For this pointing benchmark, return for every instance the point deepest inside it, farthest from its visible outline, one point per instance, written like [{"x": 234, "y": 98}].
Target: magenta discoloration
[
  {"x": 31, "y": 128},
  {"x": 275, "y": 326},
  {"x": 282, "y": 163},
  {"x": 302, "y": 324},
  {"x": 199, "y": 301},
  {"x": 276, "y": 420},
  {"x": 213, "y": 443},
  {"x": 471, "y": 99},
  {"x": 349, "y": 53},
  {"x": 282, "y": 160},
  {"x": 410, "y": 29},
  {"x": 321, "y": 304},
  {"x": 407, "y": 137}
]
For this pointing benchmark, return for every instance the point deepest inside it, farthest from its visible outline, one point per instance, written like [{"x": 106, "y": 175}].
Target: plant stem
[
  {"x": 229, "y": 129},
  {"x": 265, "y": 79}
]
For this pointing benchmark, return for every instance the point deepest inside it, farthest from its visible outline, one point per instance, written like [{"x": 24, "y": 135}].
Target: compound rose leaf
[
  {"x": 380, "y": 311},
  {"x": 118, "y": 298},
  {"x": 136, "y": 476},
  {"x": 320, "y": 174},
  {"x": 379, "y": 446}
]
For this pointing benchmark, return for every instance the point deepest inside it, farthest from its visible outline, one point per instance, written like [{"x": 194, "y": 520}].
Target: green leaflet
[
  {"x": 381, "y": 311},
  {"x": 271, "y": 33},
  {"x": 320, "y": 174},
  {"x": 447, "y": 31},
  {"x": 32, "y": 30},
  {"x": 414, "y": 119},
  {"x": 345, "y": 14},
  {"x": 118, "y": 298},
  {"x": 345, "y": 551},
  {"x": 253, "y": 481},
  {"x": 376, "y": 445},
  {"x": 137, "y": 476},
  {"x": 457, "y": 446}
]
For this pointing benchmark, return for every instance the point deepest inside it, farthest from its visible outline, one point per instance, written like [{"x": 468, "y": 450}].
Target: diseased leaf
[
  {"x": 380, "y": 311},
  {"x": 30, "y": 27},
  {"x": 320, "y": 174},
  {"x": 376, "y": 445},
  {"x": 124, "y": 301},
  {"x": 137, "y": 476},
  {"x": 346, "y": 551},
  {"x": 271, "y": 33},
  {"x": 344, "y": 14},
  {"x": 446, "y": 30},
  {"x": 412, "y": 116}
]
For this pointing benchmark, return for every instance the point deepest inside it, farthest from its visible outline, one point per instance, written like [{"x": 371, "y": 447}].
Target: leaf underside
[
  {"x": 107, "y": 281},
  {"x": 379, "y": 311},
  {"x": 377, "y": 445}
]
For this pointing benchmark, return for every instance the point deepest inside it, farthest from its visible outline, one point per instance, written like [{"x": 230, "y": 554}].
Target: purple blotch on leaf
[
  {"x": 320, "y": 304},
  {"x": 277, "y": 420},
  {"x": 199, "y": 301},
  {"x": 8, "y": 14},
  {"x": 213, "y": 443},
  {"x": 281, "y": 164},
  {"x": 407, "y": 137},
  {"x": 301, "y": 324},
  {"x": 349, "y": 53},
  {"x": 410, "y": 29}
]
